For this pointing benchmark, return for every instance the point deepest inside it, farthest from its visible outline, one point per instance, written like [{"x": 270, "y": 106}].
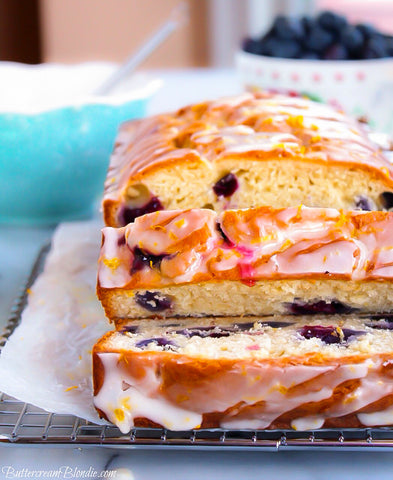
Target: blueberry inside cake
[
  {"x": 259, "y": 373},
  {"x": 247, "y": 264},
  {"x": 257, "y": 261},
  {"x": 250, "y": 150}
]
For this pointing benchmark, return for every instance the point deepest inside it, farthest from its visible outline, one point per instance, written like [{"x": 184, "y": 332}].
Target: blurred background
[{"x": 68, "y": 31}]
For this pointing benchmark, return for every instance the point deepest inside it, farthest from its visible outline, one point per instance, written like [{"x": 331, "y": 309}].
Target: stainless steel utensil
[{"x": 177, "y": 18}]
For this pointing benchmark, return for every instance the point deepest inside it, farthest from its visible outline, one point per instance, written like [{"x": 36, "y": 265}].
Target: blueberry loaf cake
[
  {"x": 250, "y": 150},
  {"x": 257, "y": 261},
  {"x": 184, "y": 374}
]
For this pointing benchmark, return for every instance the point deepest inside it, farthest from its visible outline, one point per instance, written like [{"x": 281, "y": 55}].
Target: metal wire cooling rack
[{"x": 22, "y": 423}]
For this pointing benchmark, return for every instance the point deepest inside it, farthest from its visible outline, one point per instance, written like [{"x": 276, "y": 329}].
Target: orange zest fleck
[
  {"x": 278, "y": 146},
  {"x": 298, "y": 215},
  {"x": 285, "y": 245},
  {"x": 112, "y": 263},
  {"x": 119, "y": 414},
  {"x": 71, "y": 388},
  {"x": 278, "y": 388},
  {"x": 267, "y": 121},
  {"x": 343, "y": 219},
  {"x": 158, "y": 227},
  {"x": 295, "y": 121},
  {"x": 180, "y": 223}
]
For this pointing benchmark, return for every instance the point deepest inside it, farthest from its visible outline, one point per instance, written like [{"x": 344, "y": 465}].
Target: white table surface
[{"x": 19, "y": 246}]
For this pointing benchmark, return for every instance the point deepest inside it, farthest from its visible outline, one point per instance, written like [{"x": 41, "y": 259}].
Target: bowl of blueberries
[{"x": 325, "y": 58}]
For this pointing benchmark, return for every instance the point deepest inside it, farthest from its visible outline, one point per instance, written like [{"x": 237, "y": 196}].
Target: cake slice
[
  {"x": 240, "y": 374},
  {"x": 257, "y": 261},
  {"x": 250, "y": 150}
]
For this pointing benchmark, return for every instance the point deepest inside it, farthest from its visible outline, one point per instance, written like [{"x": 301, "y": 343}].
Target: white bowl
[{"x": 361, "y": 87}]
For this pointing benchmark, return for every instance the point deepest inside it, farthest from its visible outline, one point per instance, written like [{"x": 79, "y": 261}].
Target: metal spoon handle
[{"x": 178, "y": 16}]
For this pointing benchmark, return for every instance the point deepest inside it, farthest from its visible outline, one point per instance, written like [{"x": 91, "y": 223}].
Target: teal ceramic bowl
[{"x": 56, "y": 139}]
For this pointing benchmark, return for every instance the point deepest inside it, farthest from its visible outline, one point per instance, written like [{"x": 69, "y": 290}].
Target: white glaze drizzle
[
  {"x": 144, "y": 144},
  {"x": 141, "y": 399},
  {"x": 385, "y": 417},
  {"x": 281, "y": 243},
  {"x": 114, "y": 261},
  {"x": 246, "y": 385},
  {"x": 308, "y": 423}
]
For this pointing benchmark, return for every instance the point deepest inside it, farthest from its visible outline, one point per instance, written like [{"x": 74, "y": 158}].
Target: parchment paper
[{"x": 47, "y": 360}]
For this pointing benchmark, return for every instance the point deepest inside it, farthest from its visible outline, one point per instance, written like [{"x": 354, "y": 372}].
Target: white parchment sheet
[{"x": 47, "y": 360}]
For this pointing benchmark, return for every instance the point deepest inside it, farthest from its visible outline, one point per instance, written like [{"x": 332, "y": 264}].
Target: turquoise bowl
[{"x": 54, "y": 154}]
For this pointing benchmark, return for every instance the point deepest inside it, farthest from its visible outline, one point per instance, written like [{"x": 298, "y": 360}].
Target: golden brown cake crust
[
  {"x": 180, "y": 374},
  {"x": 257, "y": 127},
  {"x": 218, "y": 247},
  {"x": 252, "y": 262}
]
